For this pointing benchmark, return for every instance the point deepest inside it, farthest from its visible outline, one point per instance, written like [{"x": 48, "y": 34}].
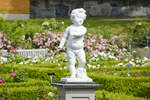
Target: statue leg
[
  {"x": 81, "y": 71},
  {"x": 81, "y": 58},
  {"x": 72, "y": 61}
]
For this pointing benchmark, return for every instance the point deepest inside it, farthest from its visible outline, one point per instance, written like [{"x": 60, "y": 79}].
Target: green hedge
[
  {"x": 24, "y": 93},
  {"x": 144, "y": 90},
  {"x": 119, "y": 70},
  {"x": 115, "y": 96},
  {"x": 38, "y": 75},
  {"x": 36, "y": 72},
  {"x": 127, "y": 85},
  {"x": 30, "y": 82}
]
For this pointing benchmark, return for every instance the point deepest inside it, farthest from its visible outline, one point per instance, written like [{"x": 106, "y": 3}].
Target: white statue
[{"x": 74, "y": 35}]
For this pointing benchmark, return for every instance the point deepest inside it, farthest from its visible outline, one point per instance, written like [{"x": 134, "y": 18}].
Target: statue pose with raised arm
[{"x": 74, "y": 35}]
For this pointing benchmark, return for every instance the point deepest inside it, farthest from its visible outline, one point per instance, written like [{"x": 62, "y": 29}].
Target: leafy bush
[
  {"x": 127, "y": 85},
  {"x": 144, "y": 90},
  {"x": 105, "y": 95},
  {"x": 24, "y": 93},
  {"x": 138, "y": 34}
]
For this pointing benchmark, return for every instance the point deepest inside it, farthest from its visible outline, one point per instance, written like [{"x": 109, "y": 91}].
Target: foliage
[
  {"x": 127, "y": 85},
  {"x": 115, "y": 96},
  {"x": 37, "y": 75},
  {"x": 139, "y": 33}
]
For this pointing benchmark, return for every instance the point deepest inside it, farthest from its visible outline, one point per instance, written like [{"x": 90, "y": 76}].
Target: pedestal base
[
  {"x": 76, "y": 91},
  {"x": 76, "y": 80}
]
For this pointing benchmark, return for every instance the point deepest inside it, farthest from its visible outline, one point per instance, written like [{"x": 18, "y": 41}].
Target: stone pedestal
[{"x": 76, "y": 91}]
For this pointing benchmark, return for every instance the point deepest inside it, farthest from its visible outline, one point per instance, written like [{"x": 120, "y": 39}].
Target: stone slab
[
  {"x": 76, "y": 80},
  {"x": 81, "y": 85},
  {"x": 15, "y": 16}
]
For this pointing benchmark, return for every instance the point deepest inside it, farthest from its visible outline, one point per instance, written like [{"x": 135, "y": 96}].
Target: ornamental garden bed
[{"x": 110, "y": 48}]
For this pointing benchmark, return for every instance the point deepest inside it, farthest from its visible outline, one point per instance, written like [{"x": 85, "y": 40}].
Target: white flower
[
  {"x": 47, "y": 59},
  {"x": 4, "y": 59},
  {"x": 145, "y": 59},
  {"x": 51, "y": 57},
  {"x": 139, "y": 23},
  {"x": 89, "y": 66},
  {"x": 65, "y": 67},
  {"x": 112, "y": 57},
  {"x": 26, "y": 62},
  {"x": 115, "y": 74},
  {"x": 134, "y": 51},
  {"x": 60, "y": 68},
  {"x": 45, "y": 23},
  {"x": 132, "y": 59},
  {"x": 62, "y": 23},
  {"x": 98, "y": 66},
  {"x": 120, "y": 64},
  {"x": 132, "y": 63},
  {"x": 93, "y": 66},
  {"x": 51, "y": 94},
  {"x": 21, "y": 63},
  {"x": 105, "y": 66},
  {"x": 95, "y": 55},
  {"x": 126, "y": 59}
]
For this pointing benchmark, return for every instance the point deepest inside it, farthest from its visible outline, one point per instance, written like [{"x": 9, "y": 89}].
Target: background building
[{"x": 14, "y": 9}]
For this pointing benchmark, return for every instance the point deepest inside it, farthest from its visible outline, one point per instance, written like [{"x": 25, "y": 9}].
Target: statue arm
[{"x": 63, "y": 39}]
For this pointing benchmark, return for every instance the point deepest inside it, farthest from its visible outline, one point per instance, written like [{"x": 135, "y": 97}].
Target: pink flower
[
  {"x": 48, "y": 32},
  {"x": 100, "y": 37},
  {"x": 9, "y": 42},
  {"x": 5, "y": 39},
  {"x": 13, "y": 74},
  {"x": 29, "y": 38},
  {"x": 10, "y": 47},
  {"x": 19, "y": 48},
  {"x": 1, "y": 81},
  {"x": 92, "y": 40},
  {"x": 1, "y": 35},
  {"x": 89, "y": 34},
  {"x": 1, "y": 45},
  {"x": 119, "y": 57}
]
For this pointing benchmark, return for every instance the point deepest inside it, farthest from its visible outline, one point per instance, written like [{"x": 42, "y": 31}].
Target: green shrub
[
  {"x": 127, "y": 85},
  {"x": 24, "y": 93},
  {"x": 138, "y": 33},
  {"x": 30, "y": 82},
  {"x": 105, "y": 95},
  {"x": 144, "y": 90}
]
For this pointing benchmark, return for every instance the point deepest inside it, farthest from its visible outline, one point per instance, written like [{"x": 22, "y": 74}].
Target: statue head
[{"x": 78, "y": 16}]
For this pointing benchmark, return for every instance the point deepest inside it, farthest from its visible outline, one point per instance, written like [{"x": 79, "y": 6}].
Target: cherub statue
[{"x": 74, "y": 35}]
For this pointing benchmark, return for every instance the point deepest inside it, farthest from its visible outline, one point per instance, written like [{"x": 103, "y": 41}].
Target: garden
[{"x": 116, "y": 54}]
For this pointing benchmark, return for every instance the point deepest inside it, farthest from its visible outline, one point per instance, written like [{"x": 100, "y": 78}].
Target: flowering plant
[
  {"x": 107, "y": 49},
  {"x": 1, "y": 81},
  {"x": 17, "y": 76}
]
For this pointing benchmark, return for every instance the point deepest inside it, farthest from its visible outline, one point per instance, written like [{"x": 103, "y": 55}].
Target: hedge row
[
  {"x": 36, "y": 72},
  {"x": 117, "y": 84},
  {"x": 24, "y": 93},
  {"x": 127, "y": 85},
  {"x": 30, "y": 82},
  {"x": 105, "y": 95},
  {"x": 117, "y": 69}
]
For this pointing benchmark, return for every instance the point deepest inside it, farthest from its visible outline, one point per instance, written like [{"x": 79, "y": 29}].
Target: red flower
[
  {"x": 9, "y": 47},
  {"x": 1, "y": 81},
  {"x": 13, "y": 74}
]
